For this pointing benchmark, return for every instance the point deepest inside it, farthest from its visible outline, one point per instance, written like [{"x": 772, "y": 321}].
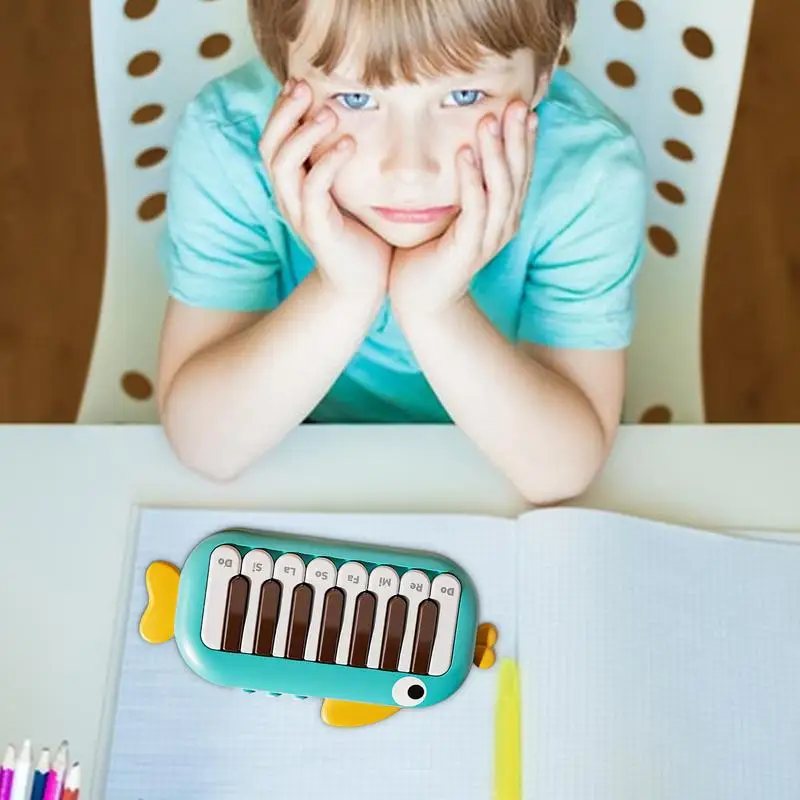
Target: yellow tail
[{"x": 157, "y": 624}]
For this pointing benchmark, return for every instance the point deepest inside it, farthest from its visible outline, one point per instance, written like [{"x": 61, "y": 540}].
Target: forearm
[
  {"x": 536, "y": 426},
  {"x": 235, "y": 400}
]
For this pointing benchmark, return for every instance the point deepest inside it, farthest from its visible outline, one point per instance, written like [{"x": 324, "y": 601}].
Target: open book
[{"x": 655, "y": 662}]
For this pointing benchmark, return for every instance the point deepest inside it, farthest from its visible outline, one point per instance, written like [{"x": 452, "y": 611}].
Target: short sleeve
[
  {"x": 216, "y": 251},
  {"x": 580, "y": 276}
]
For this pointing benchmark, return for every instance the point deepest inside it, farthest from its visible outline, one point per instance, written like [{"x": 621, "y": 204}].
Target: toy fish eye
[{"x": 408, "y": 692}]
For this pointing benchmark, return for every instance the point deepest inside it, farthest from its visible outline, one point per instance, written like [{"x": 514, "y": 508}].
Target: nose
[{"x": 408, "y": 156}]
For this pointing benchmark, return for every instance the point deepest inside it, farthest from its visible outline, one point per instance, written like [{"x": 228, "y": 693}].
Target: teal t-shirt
[{"x": 564, "y": 281}]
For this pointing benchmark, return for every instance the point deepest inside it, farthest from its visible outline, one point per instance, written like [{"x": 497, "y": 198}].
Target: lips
[{"x": 414, "y": 215}]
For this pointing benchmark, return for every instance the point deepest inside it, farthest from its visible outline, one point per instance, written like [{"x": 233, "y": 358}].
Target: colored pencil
[
  {"x": 508, "y": 735},
  {"x": 55, "y": 778},
  {"x": 19, "y": 787},
  {"x": 72, "y": 785},
  {"x": 40, "y": 775},
  {"x": 7, "y": 773}
]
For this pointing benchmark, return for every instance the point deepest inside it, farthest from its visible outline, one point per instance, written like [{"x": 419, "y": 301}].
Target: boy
[{"x": 405, "y": 214}]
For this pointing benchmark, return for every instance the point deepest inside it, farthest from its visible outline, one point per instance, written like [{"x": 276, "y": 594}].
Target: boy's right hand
[{"x": 350, "y": 257}]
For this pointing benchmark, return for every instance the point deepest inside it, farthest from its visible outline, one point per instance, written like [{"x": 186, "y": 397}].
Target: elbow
[
  {"x": 563, "y": 479},
  {"x": 556, "y": 490},
  {"x": 211, "y": 469},
  {"x": 203, "y": 459},
  {"x": 199, "y": 452}
]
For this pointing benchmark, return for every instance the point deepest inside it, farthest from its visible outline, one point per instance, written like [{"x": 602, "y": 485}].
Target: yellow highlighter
[{"x": 508, "y": 735}]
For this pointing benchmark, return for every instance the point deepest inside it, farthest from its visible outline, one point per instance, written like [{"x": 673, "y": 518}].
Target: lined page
[
  {"x": 657, "y": 662},
  {"x": 176, "y": 736}
]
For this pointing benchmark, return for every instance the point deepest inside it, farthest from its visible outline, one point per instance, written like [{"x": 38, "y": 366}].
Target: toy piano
[{"x": 371, "y": 630}]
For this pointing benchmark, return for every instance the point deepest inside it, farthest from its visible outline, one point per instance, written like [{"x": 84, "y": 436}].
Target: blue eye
[
  {"x": 355, "y": 101},
  {"x": 465, "y": 97}
]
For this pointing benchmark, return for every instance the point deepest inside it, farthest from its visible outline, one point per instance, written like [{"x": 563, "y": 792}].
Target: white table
[{"x": 66, "y": 495}]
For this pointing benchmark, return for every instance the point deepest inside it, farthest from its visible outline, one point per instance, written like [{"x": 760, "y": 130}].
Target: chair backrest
[
  {"x": 150, "y": 59},
  {"x": 672, "y": 70}
]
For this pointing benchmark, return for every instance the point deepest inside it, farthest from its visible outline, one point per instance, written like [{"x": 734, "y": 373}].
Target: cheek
[
  {"x": 322, "y": 148},
  {"x": 363, "y": 159},
  {"x": 459, "y": 134},
  {"x": 348, "y": 185},
  {"x": 342, "y": 129},
  {"x": 462, "y": 129}
]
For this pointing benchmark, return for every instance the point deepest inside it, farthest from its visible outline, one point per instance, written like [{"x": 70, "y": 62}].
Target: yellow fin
[
  {"x": 157, "y": 624},
  {"x": 346, "y": 714},
  {"x": 484, "y": 646}
]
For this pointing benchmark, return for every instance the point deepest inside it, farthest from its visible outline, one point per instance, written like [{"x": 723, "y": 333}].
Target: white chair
[
  {"x": 152, "y": 57},
  {"x": 635, "y": 57}
]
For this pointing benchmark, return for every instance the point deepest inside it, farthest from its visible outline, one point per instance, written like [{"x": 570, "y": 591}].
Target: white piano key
[
  {"x": 415, "y": 586},
  {"x": 384, "y": 583},
  {"x": 224, "y": 564},
  {"x": 446, "y": 591},
  {"x": 257, "y": 566},
  {"x": 321, "y": 576},
  {"x": 352, "y": 580},
  {"x": 289, "y": 571}
]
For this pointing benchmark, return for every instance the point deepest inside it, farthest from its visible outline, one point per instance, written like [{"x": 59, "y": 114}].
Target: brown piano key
[
  {"x": 268, "y": 606},
  {"x": 299, "y": 619},
  {"x": 235, "y": 612},
  {"x": 396, "y": 611},
  {"x": 363, "y": 622},
  {"x": 331, "y": 626},
  {"x": 427, "y": 617}
]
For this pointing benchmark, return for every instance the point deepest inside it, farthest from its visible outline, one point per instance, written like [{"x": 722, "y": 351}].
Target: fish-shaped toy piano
[{"x": 370, "y": 630}]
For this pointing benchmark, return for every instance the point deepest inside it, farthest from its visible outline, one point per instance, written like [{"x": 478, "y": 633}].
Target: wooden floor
[
  {"x": 52, "y": 210},
  {"x": 752, "y": 295},
  {"x": 52, "y": 223}
]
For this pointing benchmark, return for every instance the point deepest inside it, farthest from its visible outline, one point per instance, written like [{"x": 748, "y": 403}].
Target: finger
[
  {"x": 469, "y": 226},
  {"x": 497, "y": 176},
  {"x": 520, "y": 141},
  {"x": 284, "y": 119},
  {"x": 531, "y": 126},
  {"x": 297, "y": 147},
  {"x": 288, "y": 166},
  {"x": 515, "y": 139},
  {"x": 318, "y": 205}
]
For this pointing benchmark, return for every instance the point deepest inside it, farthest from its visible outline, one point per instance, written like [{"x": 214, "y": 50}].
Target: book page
[
  {"x": 657, "y": 662},
  {"x": 177, "y": 736}
]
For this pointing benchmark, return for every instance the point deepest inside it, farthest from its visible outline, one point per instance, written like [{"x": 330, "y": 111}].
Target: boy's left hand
[{"x": 437, "y": 274}]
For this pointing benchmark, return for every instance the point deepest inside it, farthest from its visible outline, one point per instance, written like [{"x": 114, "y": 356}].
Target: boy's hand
[
  {"x": 435, "y": 275},
  {"x": 348, "y": 255}
]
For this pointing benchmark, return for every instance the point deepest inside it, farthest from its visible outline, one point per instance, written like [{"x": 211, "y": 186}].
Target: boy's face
[{"x": 401, "y": 181}]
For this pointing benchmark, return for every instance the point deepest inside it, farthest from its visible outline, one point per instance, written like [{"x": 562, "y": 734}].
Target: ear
[
  {"x": 545, "y": 76},
  {"x": 542, "y": 85}
]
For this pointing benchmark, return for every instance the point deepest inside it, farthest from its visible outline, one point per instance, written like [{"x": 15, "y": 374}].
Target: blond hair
[{"x": 408, "y": 38}]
